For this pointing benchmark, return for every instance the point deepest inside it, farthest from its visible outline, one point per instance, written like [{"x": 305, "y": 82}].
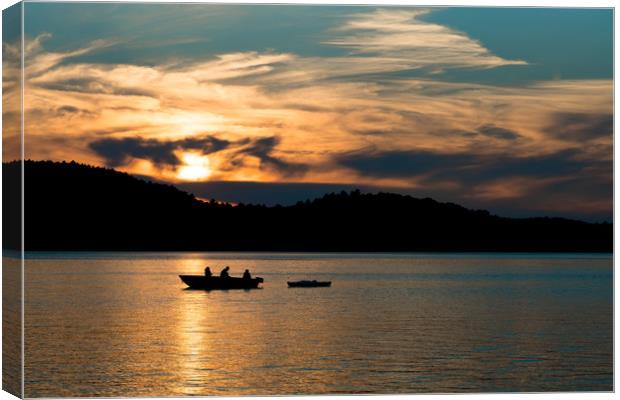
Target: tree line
[{"x": 71, "y": 206}]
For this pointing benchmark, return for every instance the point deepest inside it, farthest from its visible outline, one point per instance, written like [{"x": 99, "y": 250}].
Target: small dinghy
[
  {"x": 309, "y": 284},
  {"x": 216, "y": 283}
]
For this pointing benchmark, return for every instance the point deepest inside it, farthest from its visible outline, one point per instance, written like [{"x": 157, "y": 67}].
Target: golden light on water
[{"x": 196, "y": 167}]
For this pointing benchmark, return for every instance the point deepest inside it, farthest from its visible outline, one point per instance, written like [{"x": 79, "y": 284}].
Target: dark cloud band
[{"x": 119, "y": 152}]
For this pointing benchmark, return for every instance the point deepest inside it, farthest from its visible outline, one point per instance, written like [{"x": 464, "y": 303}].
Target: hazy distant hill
[{"x": 71, "y": 206}]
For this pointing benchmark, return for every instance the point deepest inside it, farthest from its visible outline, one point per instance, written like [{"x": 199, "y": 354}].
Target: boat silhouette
[
  {"x": 309, "y": 284},
  {"x": 203, "y": 282}
]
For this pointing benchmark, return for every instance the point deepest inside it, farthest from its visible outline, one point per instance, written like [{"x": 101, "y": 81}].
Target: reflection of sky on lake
[
  {"x": 12, "y": 322},
  {"x": 389, "y": 324}
]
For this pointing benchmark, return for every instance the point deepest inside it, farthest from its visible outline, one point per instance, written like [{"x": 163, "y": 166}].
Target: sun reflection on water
[{"x": 125, "y": 326}]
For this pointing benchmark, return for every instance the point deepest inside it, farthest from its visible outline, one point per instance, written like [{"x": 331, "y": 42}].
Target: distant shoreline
[{"x": 76, "y": 207}]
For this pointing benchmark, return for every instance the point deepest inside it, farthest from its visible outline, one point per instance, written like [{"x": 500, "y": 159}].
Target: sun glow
[{"x": 195, "y": 167}]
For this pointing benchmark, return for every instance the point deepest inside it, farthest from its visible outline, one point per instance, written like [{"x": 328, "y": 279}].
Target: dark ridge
[{"x": 71, "y": 206}]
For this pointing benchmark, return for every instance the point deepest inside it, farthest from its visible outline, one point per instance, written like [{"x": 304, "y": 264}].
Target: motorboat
[{"x": 204, "y": 282}]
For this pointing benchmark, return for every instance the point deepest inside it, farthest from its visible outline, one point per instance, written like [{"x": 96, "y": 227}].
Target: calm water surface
[{"x": 111, "y": 324}]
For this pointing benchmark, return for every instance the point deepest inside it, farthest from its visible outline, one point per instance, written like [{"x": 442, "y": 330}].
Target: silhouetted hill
[{"x": 71, "y": 206}]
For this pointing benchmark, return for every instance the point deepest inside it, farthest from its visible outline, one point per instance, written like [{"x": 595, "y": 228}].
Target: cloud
[
  {"x": 67, "y": 110},
  {"x": 237, "y": 65},
  {"x": 168, "y": 153},
  {"x": 38, "y": 61},
  {"x": 498, "y": 132},
  {"x": 580, "y": 127},
  {"x": 404, "y": 163},
  {"x": 93, "y": 86},
  {"x": 119, "y": 152},
  {"x": 401, "y": 34},
  {"x": 561, "y": 183},
  {"x": 469, "y": 167},
  {"x": 71, "y": 112},
  {"x": 481, "y": 175},
  {"x": 263, "y": 149}
]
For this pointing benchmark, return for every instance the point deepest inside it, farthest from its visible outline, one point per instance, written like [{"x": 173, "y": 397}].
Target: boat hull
[
  {"x": 309, "y": 284},
  {"x": 202, "y": 282}
]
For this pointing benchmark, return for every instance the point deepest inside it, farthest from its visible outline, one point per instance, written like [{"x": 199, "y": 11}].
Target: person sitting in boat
[
  {"x": 208, "y": 273},
  {"x": 224, "y": 273},
  {"x": 246, "y": 275}
]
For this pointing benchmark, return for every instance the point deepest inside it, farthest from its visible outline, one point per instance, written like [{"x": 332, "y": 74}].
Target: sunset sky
[{"x": 505, "y": 109}]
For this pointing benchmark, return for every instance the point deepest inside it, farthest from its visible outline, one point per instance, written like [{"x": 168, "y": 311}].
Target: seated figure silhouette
[
  {"x": 246, "y": 275},
  {"x": 224, "y": 273},
  {"x": 208, "y": 273}
]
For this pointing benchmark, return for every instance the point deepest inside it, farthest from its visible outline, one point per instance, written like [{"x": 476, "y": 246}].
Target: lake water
[{"x": 112, "y": 324}]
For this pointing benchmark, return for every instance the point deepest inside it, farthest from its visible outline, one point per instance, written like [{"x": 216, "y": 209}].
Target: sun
[{"x": 195, "y": 167}]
